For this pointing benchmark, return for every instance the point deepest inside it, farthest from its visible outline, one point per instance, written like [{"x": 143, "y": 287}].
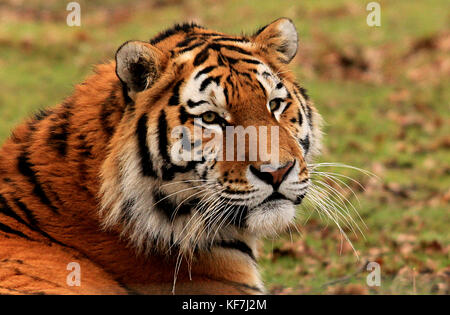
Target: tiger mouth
[
  {"x": 275, "y": 196},
  {"x": 274, "y": 199}
]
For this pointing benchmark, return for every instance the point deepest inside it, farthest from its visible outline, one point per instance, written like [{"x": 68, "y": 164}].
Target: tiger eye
[
  {"x": 209, "y": 117},
  {"x": 273, "y": 105}
]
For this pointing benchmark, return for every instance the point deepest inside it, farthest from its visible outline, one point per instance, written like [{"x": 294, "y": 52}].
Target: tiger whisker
[
  {"x": 232, "y": 204},
  {"x": 225, "y": 218},
  {"x": 337, "y": 176},
  {"x": 212, "y": 216},
  {"x": 325, "y": 209},
  {"x": 187, "y": 181},
  {"x": 335, "y": 207},
  {"x": 323, "y": 200},
  {"x": 177, "y": 192},
  {"x": 195, "y": 215},
  {"x": 334, "y": 177},
  {"x": 332, "y": 164},
  {"x": 344, "y": 201},
  {"x": 184, "y": 200}
]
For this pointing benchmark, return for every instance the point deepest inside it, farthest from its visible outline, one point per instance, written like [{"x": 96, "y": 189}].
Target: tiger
[{"x": 95, "y": 180}]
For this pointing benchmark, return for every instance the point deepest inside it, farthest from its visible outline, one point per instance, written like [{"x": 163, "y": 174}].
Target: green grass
[{"x": 403, "y": 139}]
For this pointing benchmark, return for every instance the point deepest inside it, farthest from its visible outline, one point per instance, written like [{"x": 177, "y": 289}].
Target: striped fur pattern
[{"x": 95, "y": 179}]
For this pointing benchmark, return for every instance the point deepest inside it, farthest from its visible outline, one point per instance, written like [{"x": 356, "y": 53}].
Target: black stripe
[
  {"x": 8, "y": 211},
  {"x": 8, "y": 230},
  {"x": 245, "y": 74},
  {"x": 252, "y": 61},
  {"x": 300, "y": 117},
  {"x": 59, "y": 132},
  {"x": 236, "y": 192},
  {"x": 178, "y": 28},
  {"x": 205, "y": 35},
  {"x": 231, "y": 39},
  {"x": 287, "y": 107},
  {"x": 205, "y": 71},
  {"x": 230, "y": 81},
  {"x": 108, "y": 107},
  {"x": 288, "y": 96},
  {"x": 231, "y": 61},
  {"x": 30, "y": 216},
  {"x": 225, "y": 92},
  {"x": 261, "y": 29},
  {"x": 208, "y": 81},
  {"x": 309, "y": 115},
  {"x": 305, "y": 144},
  {"x": 237, "y": 245},
  {"x": 192, "y": 47},
  {"x": 303, "y": 91},
  {"x": 183, "y": 115},
  {"x": 186, "y": 41},
  {"x": 127, "y": 99},
  {"x": 201, "y": 57},
  {"x": 221, "y": 60},
  {"x": 144, "y": 152},
  {"x": 218, "y": 47},
  {"x": 262, "y": 87},
  {"x": 169, "y": 169},
  {"x": 167, "y": 207},
  {"x": 299, "y": 90},
  {"x": 25, "y": 167},
  {"x": 33, "y": 223},
  {"x": 192, "y": 104},
  {"x": 85, "y": 149},
  {"x": 306, "y": 108},
  {"x": 162, "y": 137},
  {"x": 175, "y": 98}
]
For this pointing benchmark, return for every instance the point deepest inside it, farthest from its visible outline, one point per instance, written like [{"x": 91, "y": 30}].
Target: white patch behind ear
[
  {"x": 280, "y": 35},
  {"x": 288, "y": 33}
]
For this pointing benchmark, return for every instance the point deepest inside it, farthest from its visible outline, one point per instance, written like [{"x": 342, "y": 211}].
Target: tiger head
[{"x": 164, "y": 183}]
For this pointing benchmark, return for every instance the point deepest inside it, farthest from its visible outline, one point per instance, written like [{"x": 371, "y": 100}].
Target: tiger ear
[
  {"x": 138, "y": 65},
  {"x": 280, "y": 35}
]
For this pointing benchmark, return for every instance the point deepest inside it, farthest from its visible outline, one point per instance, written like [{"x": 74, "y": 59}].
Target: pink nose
[{"x": 273, "y": 177}]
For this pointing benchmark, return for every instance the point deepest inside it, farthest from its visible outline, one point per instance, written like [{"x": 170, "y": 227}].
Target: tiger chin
[{"x": 95, "y": 181}]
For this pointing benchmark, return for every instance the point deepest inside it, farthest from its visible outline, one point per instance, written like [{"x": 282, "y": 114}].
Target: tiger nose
[{"x": 270, "y": 176}]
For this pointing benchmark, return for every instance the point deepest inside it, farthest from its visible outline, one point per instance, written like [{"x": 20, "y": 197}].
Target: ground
[{"x": 383, "y": 92}]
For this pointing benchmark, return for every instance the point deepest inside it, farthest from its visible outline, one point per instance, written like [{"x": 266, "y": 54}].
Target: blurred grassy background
[{"x": 383, "y": 92}]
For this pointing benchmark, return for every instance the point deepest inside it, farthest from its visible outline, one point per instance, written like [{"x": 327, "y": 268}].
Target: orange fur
[{"x": 51, "y": 172}]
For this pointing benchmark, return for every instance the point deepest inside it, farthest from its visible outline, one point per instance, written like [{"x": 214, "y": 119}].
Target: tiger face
[{"x": 217, "y": 142}]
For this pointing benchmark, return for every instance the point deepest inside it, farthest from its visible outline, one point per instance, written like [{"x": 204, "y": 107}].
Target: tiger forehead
[
  {"x": 220, "y": 88},
  {"x": 224, "y": 75},
  {"x": 196, "y": 37}
]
